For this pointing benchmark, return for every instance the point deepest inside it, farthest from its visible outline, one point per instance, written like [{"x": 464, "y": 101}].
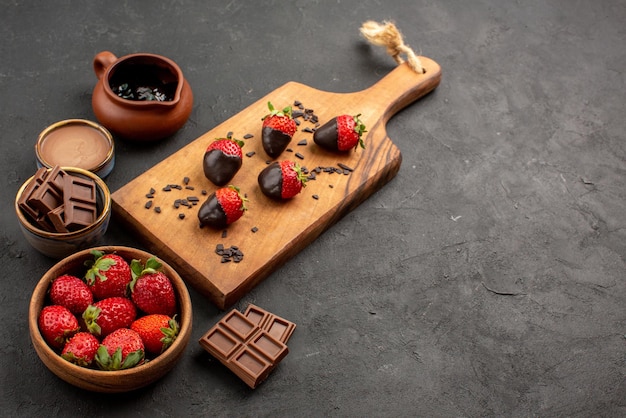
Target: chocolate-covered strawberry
[
  {"x": 222, "y": 160},
  {"x": 222, "y": 208},
  {"x": 278, "y": 129},
  {"x": 282, "y": 180},
  {"x": 341, "y": 133}
]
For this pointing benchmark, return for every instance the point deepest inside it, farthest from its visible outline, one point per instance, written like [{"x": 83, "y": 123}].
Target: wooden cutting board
[{"x": 270, "y": 232}]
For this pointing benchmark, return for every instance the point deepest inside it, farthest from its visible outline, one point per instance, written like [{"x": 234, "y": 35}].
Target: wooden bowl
[{"x": 99, "y": 380}]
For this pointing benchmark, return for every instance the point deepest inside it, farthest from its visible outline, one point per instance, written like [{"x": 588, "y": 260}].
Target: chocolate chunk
[
  {"x": 157, "y": 209},
  {"x": 148, "y": 204},
  {"x": 254, "y": 229},
  {"x": 345, "y": 167},
  {"x": 181, "y": 216}
]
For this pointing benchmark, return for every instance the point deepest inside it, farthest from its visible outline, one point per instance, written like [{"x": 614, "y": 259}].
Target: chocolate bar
[
  {"x": 58, "y": 201},
  {"x": 249, "y": 344}
]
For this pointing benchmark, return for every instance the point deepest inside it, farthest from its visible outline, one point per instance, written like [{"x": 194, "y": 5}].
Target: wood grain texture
[{"x": 284, "y": 228}]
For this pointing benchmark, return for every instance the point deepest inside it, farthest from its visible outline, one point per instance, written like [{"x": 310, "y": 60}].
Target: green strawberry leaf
[
  {"x": 132, "y": 359},
  {"x": 90, "y": 316}
]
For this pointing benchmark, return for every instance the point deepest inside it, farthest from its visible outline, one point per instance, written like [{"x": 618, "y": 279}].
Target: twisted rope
[{"x": 388, "y": 35}]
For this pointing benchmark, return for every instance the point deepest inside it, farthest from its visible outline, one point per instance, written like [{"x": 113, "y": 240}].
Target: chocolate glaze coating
[
  {"x": 326, "y": 135},
  {"x": 212, "y": 214},
  {"x": 271, "y": 181},
  {"x": 274, "y": 141},
  {"x": 219, "y": 167}
]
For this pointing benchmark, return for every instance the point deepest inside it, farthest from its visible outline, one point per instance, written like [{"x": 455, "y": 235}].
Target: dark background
[{"x": 486, "y": 279}]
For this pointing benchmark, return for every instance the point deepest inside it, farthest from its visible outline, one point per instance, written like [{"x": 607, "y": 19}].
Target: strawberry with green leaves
[
  {"x": 122, "y": 349},
  {"x": 71, "y": 292},
  {"x": 277, "y": 130},
  {"x": 282, "y": 180},
  {"x": 81, "y": 349},
  {"x": 222, "y": 160},
  {"x": 57, "y": 324},
  {"x": 151, "y": 290},
  {"x": 108, "y": 315},
  {"x": 157, "y": 332},
  {"x": 108, "y": 275},
  {"x": 222, "y": 208},
  {"x": 341, "y": 133}
]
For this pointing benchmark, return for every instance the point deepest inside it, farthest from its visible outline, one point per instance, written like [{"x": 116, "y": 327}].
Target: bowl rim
[
  {"x": 104, "y": 214},
  {"x": 185, "y": 320}
]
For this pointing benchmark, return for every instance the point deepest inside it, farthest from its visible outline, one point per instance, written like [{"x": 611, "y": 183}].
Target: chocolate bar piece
[
  {"x": 30, "y": 188},
  {"x": 58, "y": 201},
  {"x": 250, "y": 344},
  {"x": 79, "y": 198}
]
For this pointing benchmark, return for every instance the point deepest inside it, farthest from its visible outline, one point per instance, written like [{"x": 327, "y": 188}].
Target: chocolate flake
[
  {"x": 248, "y": 136},
  {"x": 316, "y": 197},
  {"x": 254, "y": 229},
  {"x": 186, "y": 180},
  {"x": 148, "y": 204},
  {"x": 299, "y": 155},
  {"x": 181, "y": 216},
  {"x": 167, "y": 189},
  {"x": 157, "y": 209},
  {"x": 308, "y": 130},
  {"x": 224, "y": 235},
  {"x": 345, "y": 167},
  {"x": 190, "y": 188},
  {"x": 302, "y": 142},
  {"x": 250, "y": 154}
]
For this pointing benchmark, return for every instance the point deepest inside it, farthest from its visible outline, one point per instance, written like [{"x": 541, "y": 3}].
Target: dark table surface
[{"x": 486, "y": 279}]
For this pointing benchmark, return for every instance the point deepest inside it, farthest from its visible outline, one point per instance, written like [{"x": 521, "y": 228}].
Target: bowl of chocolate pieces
[{"x": 62, "y": 210}]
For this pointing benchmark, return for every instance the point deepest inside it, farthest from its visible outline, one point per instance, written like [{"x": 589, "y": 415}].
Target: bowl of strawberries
[{"x": 110, "y": 319}]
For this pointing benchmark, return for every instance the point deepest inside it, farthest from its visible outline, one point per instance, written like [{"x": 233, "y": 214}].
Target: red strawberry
[
  {"x": 57, "y": 324},
  {"x": 152, "y": 290},
  {"x": 222, "y": 208},
  {"x": 157, "y": 332},
  {"x": 282, "y": 180},
  {"x": 107, "y": 315},
  {"x": 81, "y": 349},
  {"x": 222, "y": 160},
  {"x": 278, "y": 129},
  {"x": 108, "y": 275},
  {"x": 122, "y": 349},
  {"x": 71, "y": 292},
  {"x": 342, "y": 133}
]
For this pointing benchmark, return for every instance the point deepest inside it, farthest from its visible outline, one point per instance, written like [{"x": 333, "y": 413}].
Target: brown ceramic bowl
[
  {"x": 61, "y": 244},
  {"x": 99, "y": 380}
]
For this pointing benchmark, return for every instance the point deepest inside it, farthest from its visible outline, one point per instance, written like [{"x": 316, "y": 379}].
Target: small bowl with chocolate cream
[
  {"x": 76, "y": 143},
  {"x": 62, "y": 210}
]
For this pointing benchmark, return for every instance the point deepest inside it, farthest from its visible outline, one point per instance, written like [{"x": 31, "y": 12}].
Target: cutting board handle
[{"x": 401, "y": 87}]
